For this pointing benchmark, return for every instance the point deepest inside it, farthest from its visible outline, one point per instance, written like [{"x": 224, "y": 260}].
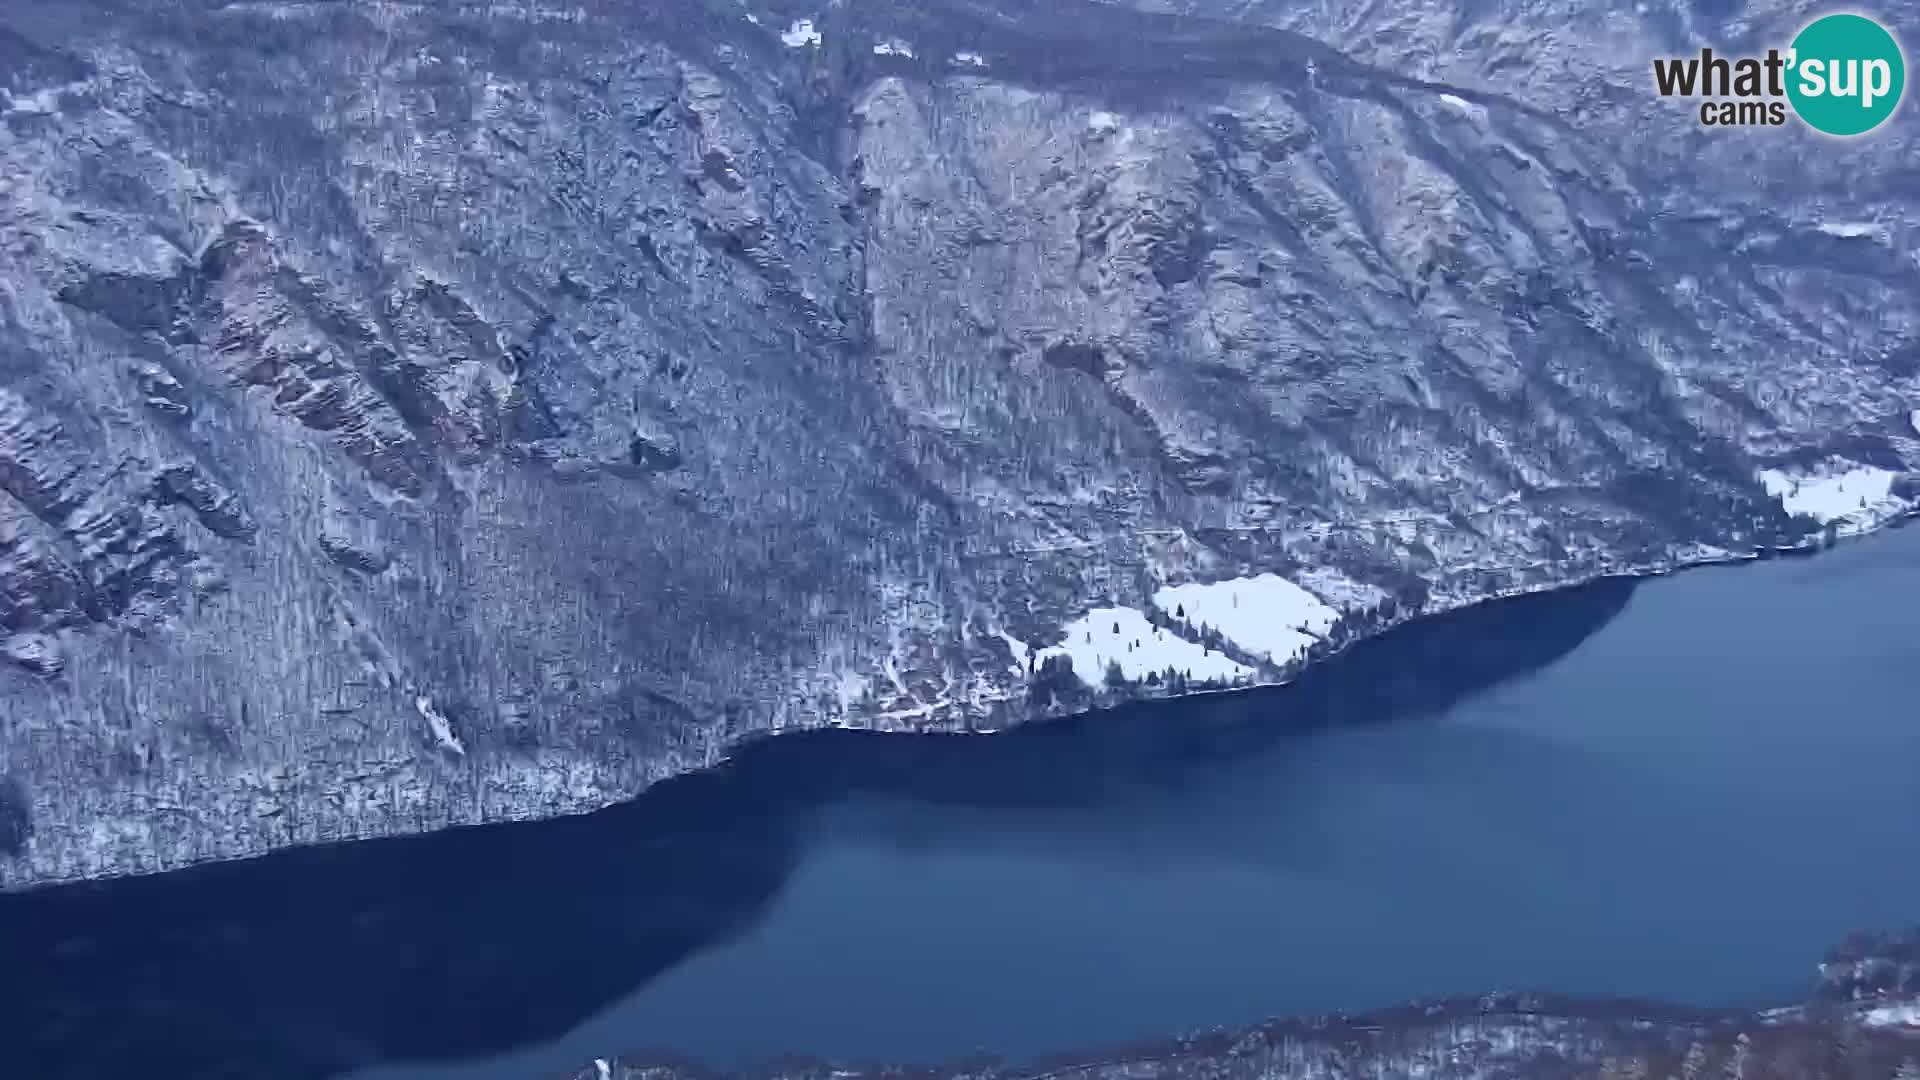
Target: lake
[{"x": 1685, "y": 788}]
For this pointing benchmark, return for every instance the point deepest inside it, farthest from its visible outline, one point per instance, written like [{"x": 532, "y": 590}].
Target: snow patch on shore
[
  {"x": 1839, "y": 493},
  {"x": 896, "y": 47},
  {"x": 969, "y": 59},
  {"x": 1266, "y": 615},
  {"x": 1123, "y": 635}
]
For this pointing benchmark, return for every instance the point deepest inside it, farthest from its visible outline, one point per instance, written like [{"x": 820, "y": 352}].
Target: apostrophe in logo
[
  {"x": 1848, "y": 74},
  {"x": 1843, "y": 75}
]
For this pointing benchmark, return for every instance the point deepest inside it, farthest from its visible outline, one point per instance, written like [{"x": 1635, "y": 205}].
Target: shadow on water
[{"x": 469, "y": 942}]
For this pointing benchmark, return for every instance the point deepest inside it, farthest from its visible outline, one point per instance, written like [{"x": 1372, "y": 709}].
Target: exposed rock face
[{"x": 414, "y": 414}]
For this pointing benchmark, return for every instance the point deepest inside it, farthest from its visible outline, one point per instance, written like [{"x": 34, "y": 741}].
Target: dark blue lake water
[{"x": 1685, "y": 789}]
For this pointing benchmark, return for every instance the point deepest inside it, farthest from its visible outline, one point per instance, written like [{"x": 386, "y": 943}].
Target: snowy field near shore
[
  {"x": 1123, "y": 634},
  {"x": 1833, "y": 496},
  {"x": 1266, "y": 615}
]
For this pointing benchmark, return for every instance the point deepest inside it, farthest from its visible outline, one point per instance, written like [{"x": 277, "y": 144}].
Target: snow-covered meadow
[
  {"x": 1843, "y": 492},
  {"x": 1265, "y": 615},
  {"x": 1123, "y": 635}
]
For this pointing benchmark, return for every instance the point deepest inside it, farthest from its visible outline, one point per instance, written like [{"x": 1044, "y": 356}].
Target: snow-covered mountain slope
[{"x": 416, "y": 413}]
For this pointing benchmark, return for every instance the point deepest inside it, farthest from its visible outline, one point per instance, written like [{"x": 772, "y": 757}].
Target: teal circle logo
[{"x": 1847, "y": 74}]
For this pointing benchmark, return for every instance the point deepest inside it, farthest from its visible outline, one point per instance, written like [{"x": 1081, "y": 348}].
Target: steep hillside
[{"x": 424, "y": 413}]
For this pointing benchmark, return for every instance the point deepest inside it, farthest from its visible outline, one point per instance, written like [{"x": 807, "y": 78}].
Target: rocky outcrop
[{"x": 414, "y": 414}]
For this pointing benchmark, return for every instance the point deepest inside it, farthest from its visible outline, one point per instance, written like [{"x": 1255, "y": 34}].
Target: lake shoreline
[
  {"x": 1812, "y": 546},
  {"x": 1865, "y": 1008},
  {"x": 1458, "y": 799}
]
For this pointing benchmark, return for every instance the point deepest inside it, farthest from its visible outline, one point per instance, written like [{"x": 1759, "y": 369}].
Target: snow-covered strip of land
[
  {"x": 438, "y": 723},
  {"x": 896, "y": 47},
  {"x": 800, "y": 34},
  {"x": 1460, "y": 104},
  {"x": 1852, "y": 228},
  {"x": 43, "y": 102},
  {"x": 1019, "y": 650},
  {"x": 1266, "y": 615},
  {"x": 1907, "y": 1015},
  {"x": 1832, "y": 496},
  {"x": 969, "y": 59},
  {"x": 1123, "y": 635}
]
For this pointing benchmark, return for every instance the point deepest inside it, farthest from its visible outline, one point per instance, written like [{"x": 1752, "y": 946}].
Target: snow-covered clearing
[
  {"x": 800, "y": 34},
  {"x": 1123, "y": 635},
  {"x": 1266, "y": 615},
  {"x": 1833, "y": 495}
]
